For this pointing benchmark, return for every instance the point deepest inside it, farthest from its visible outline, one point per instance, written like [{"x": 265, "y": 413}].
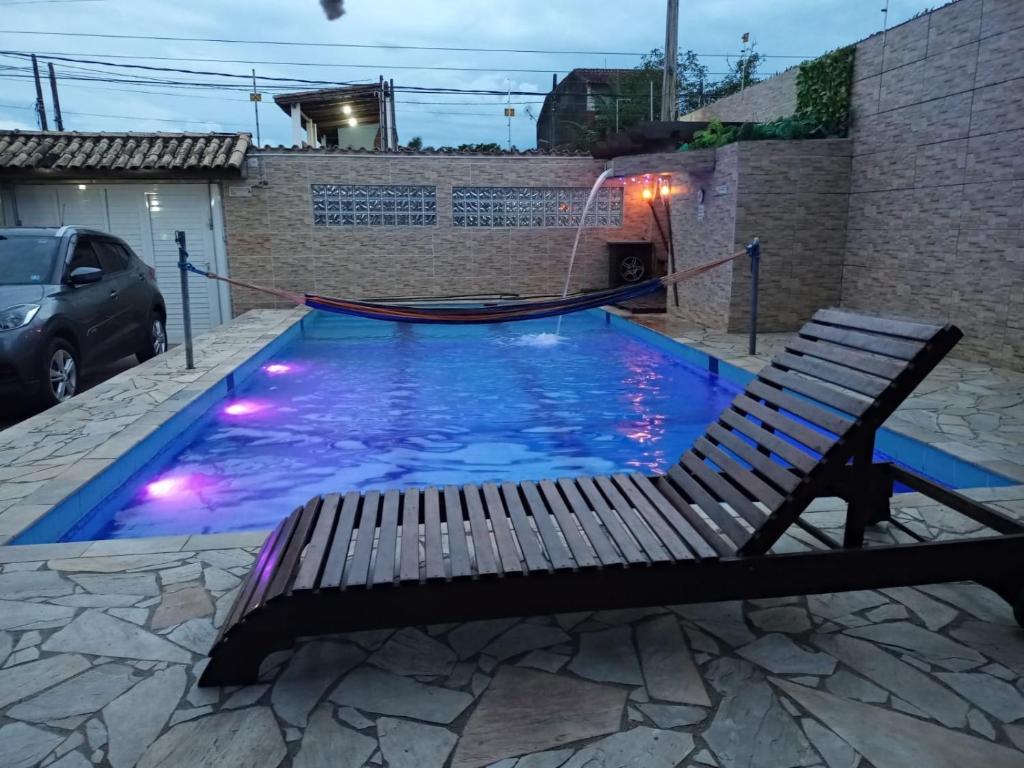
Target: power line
[
  {"x": 131, "y": 117},
  {"x": 45, "y": 2}
]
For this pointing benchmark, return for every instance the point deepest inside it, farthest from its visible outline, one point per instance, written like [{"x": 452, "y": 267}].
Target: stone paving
[{"x": 100, "y": 653}]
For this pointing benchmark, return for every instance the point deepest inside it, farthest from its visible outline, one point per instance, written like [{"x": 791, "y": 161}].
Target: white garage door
[{"x": 146, "y": 217}]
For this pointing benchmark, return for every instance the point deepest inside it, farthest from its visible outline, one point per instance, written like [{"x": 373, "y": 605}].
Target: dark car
[{"x": 71, "y": 299}]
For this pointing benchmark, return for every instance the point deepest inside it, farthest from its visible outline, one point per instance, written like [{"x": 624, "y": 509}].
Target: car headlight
[{"x": 17, "y": 316}]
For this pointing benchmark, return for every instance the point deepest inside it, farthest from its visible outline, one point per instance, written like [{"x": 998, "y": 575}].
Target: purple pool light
[
  {"x": 243, "y": 408},
  {"x": 169, "y": 487},
  {"x": 276, "y": 369}
]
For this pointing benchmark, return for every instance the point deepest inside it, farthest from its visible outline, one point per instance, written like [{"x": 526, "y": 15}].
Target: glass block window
[
  {"x": 534, "y": 207},
  {"x": 384, "y": 205}
]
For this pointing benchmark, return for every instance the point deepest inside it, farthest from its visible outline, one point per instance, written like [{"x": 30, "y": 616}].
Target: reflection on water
[{"x": 362, "y": 404}]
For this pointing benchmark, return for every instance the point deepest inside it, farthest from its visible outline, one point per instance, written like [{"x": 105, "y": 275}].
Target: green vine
[{"x": 823, "y": 90}]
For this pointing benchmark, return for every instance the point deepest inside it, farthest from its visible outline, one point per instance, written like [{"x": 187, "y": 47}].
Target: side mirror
[{"x": 86, "y": 275}]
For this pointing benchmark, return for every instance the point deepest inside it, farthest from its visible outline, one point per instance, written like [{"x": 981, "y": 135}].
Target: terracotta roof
[
  {"x": 128, "y": 154},
  {"x": 429, "y": 152}
]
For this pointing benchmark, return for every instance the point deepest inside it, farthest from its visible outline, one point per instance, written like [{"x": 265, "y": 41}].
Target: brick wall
[
  {"x": 271, "y": 238},
  {"x": 762, "y": 102}
]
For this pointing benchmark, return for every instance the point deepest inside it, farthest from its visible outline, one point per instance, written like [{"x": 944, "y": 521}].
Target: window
[
  {"x": 534, "y": 207},
  {"x": 84, "y": 256},
  {"x": 386, "y": 205},
  {"x": 112, "y": 256}
]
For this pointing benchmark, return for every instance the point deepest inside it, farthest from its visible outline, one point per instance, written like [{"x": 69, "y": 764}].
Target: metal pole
[
  {"x": 554, "y": 112},
  {"x": 651, "y": 96},
  {"x": 508, "y": 112},
  {"x": 754, "y": 252},
  {"x": 671, "y": 246},
  {"x": 56, "y": 99},
  {"x": 40, "y": 104},
  {"x": 256, "y": 107},
  {"x": 616, "y": 114},
  {"x": 186, "y": 312},
  {"x": 668, "y": 80}
]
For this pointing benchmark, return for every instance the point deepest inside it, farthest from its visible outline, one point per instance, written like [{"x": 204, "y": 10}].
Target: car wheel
[
  {"x": 156, "y": 339},
  {"x": 60, "y": 376}
]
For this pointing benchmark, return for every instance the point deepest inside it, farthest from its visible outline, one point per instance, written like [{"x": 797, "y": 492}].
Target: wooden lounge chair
[{"x": 804, "y": 428}]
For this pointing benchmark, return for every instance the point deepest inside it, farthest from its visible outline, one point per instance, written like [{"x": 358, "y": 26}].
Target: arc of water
[{"x": 579, "y": 232}]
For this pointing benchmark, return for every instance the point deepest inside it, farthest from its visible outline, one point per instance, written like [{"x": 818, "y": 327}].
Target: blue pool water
[{"x": 351, "y": 404}]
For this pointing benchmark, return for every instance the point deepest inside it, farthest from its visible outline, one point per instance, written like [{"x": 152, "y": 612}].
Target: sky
[{"x": 599, "y": 33}]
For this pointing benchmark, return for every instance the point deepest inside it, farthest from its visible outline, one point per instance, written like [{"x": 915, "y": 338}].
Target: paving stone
[
  {"x": 134, "y": 615},
  {"x": 639, "y": 695},
  {"x": 998, "y": 670},
  {"x": 25, "y": 745},
  {"x": 890, "y": 612},
  {"x": 354, "y": 718},
  {"x": 326, "y": 744},
  {"x": 313, "y": 669},
  {"x": 479, "y": 684},
  {"x": 75, "y": 739},
  {"x": 28, "y": 679},
  {"x": 850, "y": 686},
  {"x": 777, "y": 653},
  {"x": 17, "y": 614},
  {"x": 978, "y": 601},
  {"x": 116, "y": 563},
  {"x": 181, "y": 574},
  {"x": 184, "y": 715},
  {"x": 218, "y": 580},
  {"x": 524, "y": 637},
  {"x": 96, "y": 733},
  {"x": 700, "y": 641},
  {"x": 20, "y": 657},
  {"x": 891, "y": 740},
  {"x": 469, "y": 639},
  {"x": 137, "y": 717},
  {"x": 999, "y": 699},
  {"x": 246, "y": 696},
  {"x": 244, "y": 738},
  {"x": 925, "y": 645},
  {"x": 72, "y": 760},
  {"x": 370, "y": 640},
  {"x": 723, "y": 620},
  {"x": 839, "y": 604},
  {"x": 751, "y": 728},
  {"x": 88, "y": 600},
  {"x": 551, "y": 759},
  {"x": 292, "y": 734},
  {"x": 672, "y": 715},
  {"x": 195, "y": 634},
  {"x": 792, "y": 619},
  {"x": 6, "y": 643},
  {"x": 608, "y": 656},
  {"x": 373, "y": 690},
  {"x": 543, "y": 660},
  {"x": 96, "y": 633},
  {"x": 226, "y": 558},
  {"x": 626, "y": 615},
  {"x": 837, "y": 753},
  {"x": 980, "y": 724},
  {"x": 141, "y": 584},
  {"x": 28, "y": 640},
  {"x": 641, "y": 746},
  {"x": 23, "y": 584},
  {"x": 668, "y": 668},
  {"x": 81, "y": 695},
  {"x": 898, "y": 677},
  {"x": 181, "y": 605},
  {"x": 634, "y": 715},
  {"x": 569, "y": 620},
  {"x": 916, "y": 662},
  {"x": 998, "y": 642},
  {"x": 413, "y": 745},
  {"x": 704, "y": 758},
  {"x": 461, "y": 674},
  {"x": 1016, "y": 734},
  {"x": 486, "y": 663},
  {"x": 412, "y": 652},
  {"x": 900, "y": 705},
  {"x": 224, "y": 605},
  {"x": 527, "y": 711}
]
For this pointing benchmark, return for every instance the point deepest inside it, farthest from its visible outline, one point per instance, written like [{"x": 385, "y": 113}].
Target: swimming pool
[{"x": 349, "y": 404}]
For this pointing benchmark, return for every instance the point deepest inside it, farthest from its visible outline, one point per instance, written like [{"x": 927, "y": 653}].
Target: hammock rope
[{"x": 508, "y": 311}]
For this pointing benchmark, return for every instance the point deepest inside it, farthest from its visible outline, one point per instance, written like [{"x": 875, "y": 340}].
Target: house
[
  {"x": 354, "y": 117},
  {"x": 141, "y": 187}
]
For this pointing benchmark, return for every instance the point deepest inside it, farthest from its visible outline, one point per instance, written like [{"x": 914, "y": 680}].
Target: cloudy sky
[{"x": 597, "y": 31}]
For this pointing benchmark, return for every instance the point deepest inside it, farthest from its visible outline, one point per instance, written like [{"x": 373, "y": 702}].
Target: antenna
[{"x": 529, "y": 113}]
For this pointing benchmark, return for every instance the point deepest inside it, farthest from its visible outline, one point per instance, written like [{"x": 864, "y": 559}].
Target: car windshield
[{"x": 27, "y": 259}]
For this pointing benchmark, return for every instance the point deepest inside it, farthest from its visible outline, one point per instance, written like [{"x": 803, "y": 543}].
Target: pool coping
[{"x": 251, "y": 338}]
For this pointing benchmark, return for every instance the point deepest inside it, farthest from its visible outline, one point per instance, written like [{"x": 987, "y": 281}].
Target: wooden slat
[
  {"x": 777, "y": 474},
  {"x": 696, "y": 543},
  {"x": 892, "y": 326},
  {"x": 742, "y": 479},
  {"x": 409, "y": 564},
  {"x": 289, "y": 561},
  {"x": 387, "y": 540},
  {"x": 805, "y": 409},
  {"x": 535, "y": 560},
  {"x": 669, "y": 538},
  {"x": 868, "y": 342},
  {"x": 458, "y": 548},
  {"x": 433, "y": 554},
  {"x": 252, "y": 582},
  {"x": 580, "y": 551},
  {"x": 854, "y": 405},
  {"x": 623, "y": 540},
  {"x": 358, "y": 571},
  {"x": 671, "y": 494},
  {"x": 510, "y": 562},
  {"x": 782, "y": 423},
  {"x": 872, "y": 386},
  {"x": 558, "y": 553},
  {"x": 886, "y": 367},
  {"x": 787, "y": 451},
  {"x": 316, "y": 552},
  {"x": 600, "y": 541},
  {"x": 632, "y": 520},
  {"x": 333, "y": 575},
  {"x": 483, "y": 550},
  {"x": 708, "y": 504}
]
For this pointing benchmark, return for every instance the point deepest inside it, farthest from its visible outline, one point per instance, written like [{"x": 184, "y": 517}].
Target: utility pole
[
  {"x": 554, "y": 112},
  {"x": 40, "y": 106},
  {"x": 255, "y": 97},
  {"x": 743, "y": 60},
  {"x": 669, "y": 105},
  {"x": 651, "y": 84},
  {"x": 509, "y": 112},
  {"x": 56, "y": 99}
]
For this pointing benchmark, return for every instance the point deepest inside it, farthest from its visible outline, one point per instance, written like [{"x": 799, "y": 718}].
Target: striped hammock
[{"x": 497, "y": 312}]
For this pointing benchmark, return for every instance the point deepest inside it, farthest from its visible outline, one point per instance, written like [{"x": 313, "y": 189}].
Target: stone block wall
[
  {"x": 271, "y": 238},
  {"x": 762, "y": 102}
]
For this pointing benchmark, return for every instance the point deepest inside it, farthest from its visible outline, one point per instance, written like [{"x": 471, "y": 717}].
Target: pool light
[
  {"x": 242, "y": 408},
  {"x": 167, "y": 487},
  {"x": 276, "y": 369}
]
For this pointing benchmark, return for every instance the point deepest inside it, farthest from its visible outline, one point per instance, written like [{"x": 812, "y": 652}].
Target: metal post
[
  {"x": 40, "y": 104},
  {"x": 58, "y": 118},
  {"x": 671, "y": 247},
  {"x": 255, "y": 97},
  {"x": 754, "y": 252},
  {"x": 186, "y": 312}
]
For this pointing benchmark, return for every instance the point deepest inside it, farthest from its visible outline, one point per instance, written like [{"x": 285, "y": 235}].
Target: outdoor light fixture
[
  {"x": 347, "y": 109},
  {"x": 352, "y": 122},
  {"x": 82, "y": 186},
  {"x": 648, "y": 193},
  {"x": 665, "y": 186}
]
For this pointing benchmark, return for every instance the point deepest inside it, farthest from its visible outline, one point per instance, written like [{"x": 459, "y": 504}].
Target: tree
[
  {"x": 489, "y": 148},
  {"x": 416, "y": 143}
]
